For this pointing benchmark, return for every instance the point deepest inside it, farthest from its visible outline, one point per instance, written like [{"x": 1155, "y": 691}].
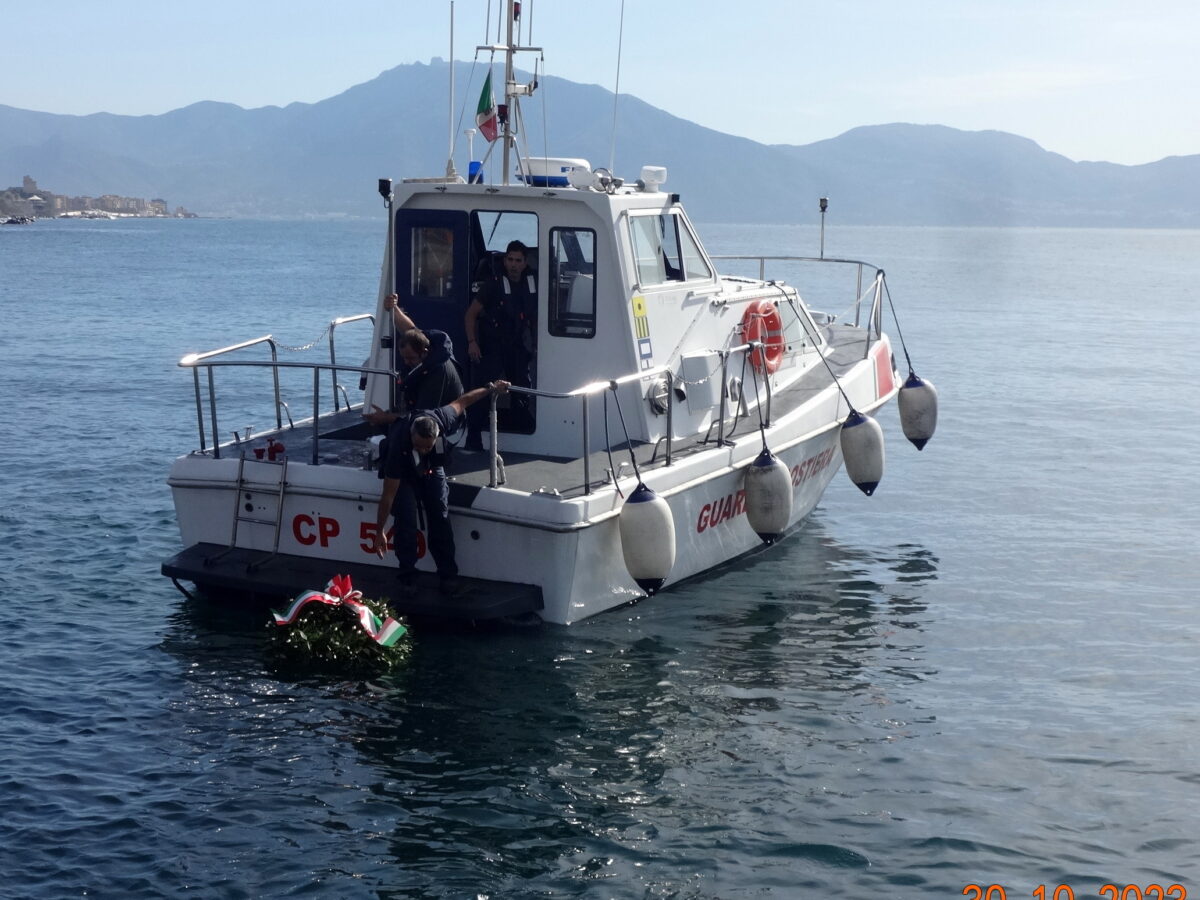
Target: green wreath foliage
[{"x": 329, "y": 640}]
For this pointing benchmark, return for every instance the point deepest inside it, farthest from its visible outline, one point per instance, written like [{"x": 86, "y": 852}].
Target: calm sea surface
[{"x": 988, "y": 673}]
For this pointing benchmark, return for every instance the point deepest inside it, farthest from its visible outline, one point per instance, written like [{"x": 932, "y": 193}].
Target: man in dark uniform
[
  {"x": 430, "y": 378},
  {"x": 414, "y": 482},
  {"x": 501, "y": 326}
]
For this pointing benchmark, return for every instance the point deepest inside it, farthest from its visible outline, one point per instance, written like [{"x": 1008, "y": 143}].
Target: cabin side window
[
  {"x": 572, "y": 283},
  {"x": 666, "y": 251},
  {"x": 695, "y": 267}
]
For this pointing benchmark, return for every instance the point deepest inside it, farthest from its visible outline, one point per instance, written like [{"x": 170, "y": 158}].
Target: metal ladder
[{"x": 238, "y": 517}]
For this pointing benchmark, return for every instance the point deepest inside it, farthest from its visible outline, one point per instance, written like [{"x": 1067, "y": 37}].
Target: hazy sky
[{"x": 1091, "y": 79}]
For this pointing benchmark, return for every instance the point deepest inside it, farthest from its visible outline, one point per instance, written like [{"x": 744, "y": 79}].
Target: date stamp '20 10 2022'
[{"x": 1066, "y": 892}]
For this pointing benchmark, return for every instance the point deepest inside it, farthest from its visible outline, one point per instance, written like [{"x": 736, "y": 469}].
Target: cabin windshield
[{"x": 666, "y": 250}]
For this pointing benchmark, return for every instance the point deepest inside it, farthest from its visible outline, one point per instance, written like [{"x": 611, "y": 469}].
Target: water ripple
[{"x": 981, "y": 674}]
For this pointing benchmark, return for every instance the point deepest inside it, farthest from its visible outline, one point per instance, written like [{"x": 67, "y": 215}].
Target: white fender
[
  {"x": 918, "y": 410},
  {"x": 768, "y": 487},
  {"x": 862, "y": 448},
  {"x": 647, "y": 538}
]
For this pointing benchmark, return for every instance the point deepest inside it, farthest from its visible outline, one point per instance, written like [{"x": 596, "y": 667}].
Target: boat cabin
[{"x": 622, "y": 285}]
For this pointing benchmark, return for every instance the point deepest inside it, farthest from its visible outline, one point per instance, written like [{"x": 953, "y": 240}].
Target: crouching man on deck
[{"x": 414, "y": 484}]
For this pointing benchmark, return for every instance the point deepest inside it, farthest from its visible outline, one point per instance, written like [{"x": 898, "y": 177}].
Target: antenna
[
  {"x": 450, "y": 112},
  {"x": 508, "y": 112},
  {"x": 612, "y": 154},
  {"x": 508, "y": 79}
]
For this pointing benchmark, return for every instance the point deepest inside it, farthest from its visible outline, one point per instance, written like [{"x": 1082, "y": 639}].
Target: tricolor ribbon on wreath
[{"x": 340, "y": 592}]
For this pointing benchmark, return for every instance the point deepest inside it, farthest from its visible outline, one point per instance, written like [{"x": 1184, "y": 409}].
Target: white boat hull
[{"x": 569, "y": 548}]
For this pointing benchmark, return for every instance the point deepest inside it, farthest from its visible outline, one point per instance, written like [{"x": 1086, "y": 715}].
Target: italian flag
[{"x": 485, "y": 114}]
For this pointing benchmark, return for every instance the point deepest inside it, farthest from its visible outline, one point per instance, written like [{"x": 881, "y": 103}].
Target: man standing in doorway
[{"x": 501, "y": 326}]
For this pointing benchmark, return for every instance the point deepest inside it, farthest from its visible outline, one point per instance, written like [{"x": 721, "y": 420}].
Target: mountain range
[{"x": 324, "y": 158}]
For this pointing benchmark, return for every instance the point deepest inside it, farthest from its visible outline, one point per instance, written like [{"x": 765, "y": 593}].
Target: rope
[
  {"x": 762, "y": 425},
  {"x": 612, "y": 156},
  {"x": 612, "y": 467},
  {"x": 896, "y": 319},
  {"x": 545, "y": 116},
  {"x": 741, "y": 400},
  {"x": 838, "y": 384},
  {"x": 517, "y": 117},
  {"x": 628, "y": 443},
  {"x": 462, "y": 111}
]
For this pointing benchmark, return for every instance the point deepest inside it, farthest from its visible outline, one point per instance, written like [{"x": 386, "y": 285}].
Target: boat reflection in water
[{"x": 613, "y": 749}]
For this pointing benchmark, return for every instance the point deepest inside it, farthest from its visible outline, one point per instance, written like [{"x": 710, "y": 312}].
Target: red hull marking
[
  {"x": 322, "y": 530},
  {"x": 326, "y": 529},
  {"x": 885, "y": 378},
  {"x": 733, "y": 505}
]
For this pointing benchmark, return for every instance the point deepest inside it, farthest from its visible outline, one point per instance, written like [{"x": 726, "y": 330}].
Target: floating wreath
[{"x": 337, "y": 630}]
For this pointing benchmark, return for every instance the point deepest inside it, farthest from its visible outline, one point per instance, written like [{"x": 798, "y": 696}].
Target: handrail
[
  {"x": 762, "y": 269},
  {"x": 344, "y": 320},
  {"x": 748, "y": 347},
  {"x": 585, "y": 393},
  {"x": 192, "y": 360},
  {"x": 196, "y": 361},
  {"x": 875, "y": 316},
  {"x": 591, "y": 389},
  {"x": 816, "y": 259}
]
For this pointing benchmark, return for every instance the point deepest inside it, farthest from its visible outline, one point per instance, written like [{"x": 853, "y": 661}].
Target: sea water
[{"x": 985, "y": 674}]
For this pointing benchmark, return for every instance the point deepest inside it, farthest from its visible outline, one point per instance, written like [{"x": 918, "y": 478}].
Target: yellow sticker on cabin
[{"x": 641, "y": 325}]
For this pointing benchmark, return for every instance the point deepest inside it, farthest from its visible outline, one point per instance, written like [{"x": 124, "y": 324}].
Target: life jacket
[
  {"x": 507, "y": 316},
  {"x": 525, "y": 313}
]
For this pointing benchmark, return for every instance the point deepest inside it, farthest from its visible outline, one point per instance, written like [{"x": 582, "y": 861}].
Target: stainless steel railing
[
  {"x": 210, "y": 360},
  {"x": 198, "y": 361},
  {"x": 585, "y": 394},
  {"x": 344, "y": 320},
  {"x": 860, "y": 265},
  {"x": 588, "y": 392}
]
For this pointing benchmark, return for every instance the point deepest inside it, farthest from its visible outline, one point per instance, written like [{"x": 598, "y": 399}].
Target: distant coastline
[{"x": 21, "y": 205}]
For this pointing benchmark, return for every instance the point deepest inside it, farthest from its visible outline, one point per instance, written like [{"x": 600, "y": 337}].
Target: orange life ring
[{"x": 762, "y": 322}]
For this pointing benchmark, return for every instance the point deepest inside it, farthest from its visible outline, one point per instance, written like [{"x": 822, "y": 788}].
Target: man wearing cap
[{"x": 430, "y": 378}]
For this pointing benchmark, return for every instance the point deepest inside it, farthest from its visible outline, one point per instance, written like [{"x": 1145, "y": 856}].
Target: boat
[{"x": 674, "y": 417}]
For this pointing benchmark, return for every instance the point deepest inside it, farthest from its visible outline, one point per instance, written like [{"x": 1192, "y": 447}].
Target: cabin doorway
[
  {"x": 505, "y": 316},
  {"x": 448, "y": 259}
]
